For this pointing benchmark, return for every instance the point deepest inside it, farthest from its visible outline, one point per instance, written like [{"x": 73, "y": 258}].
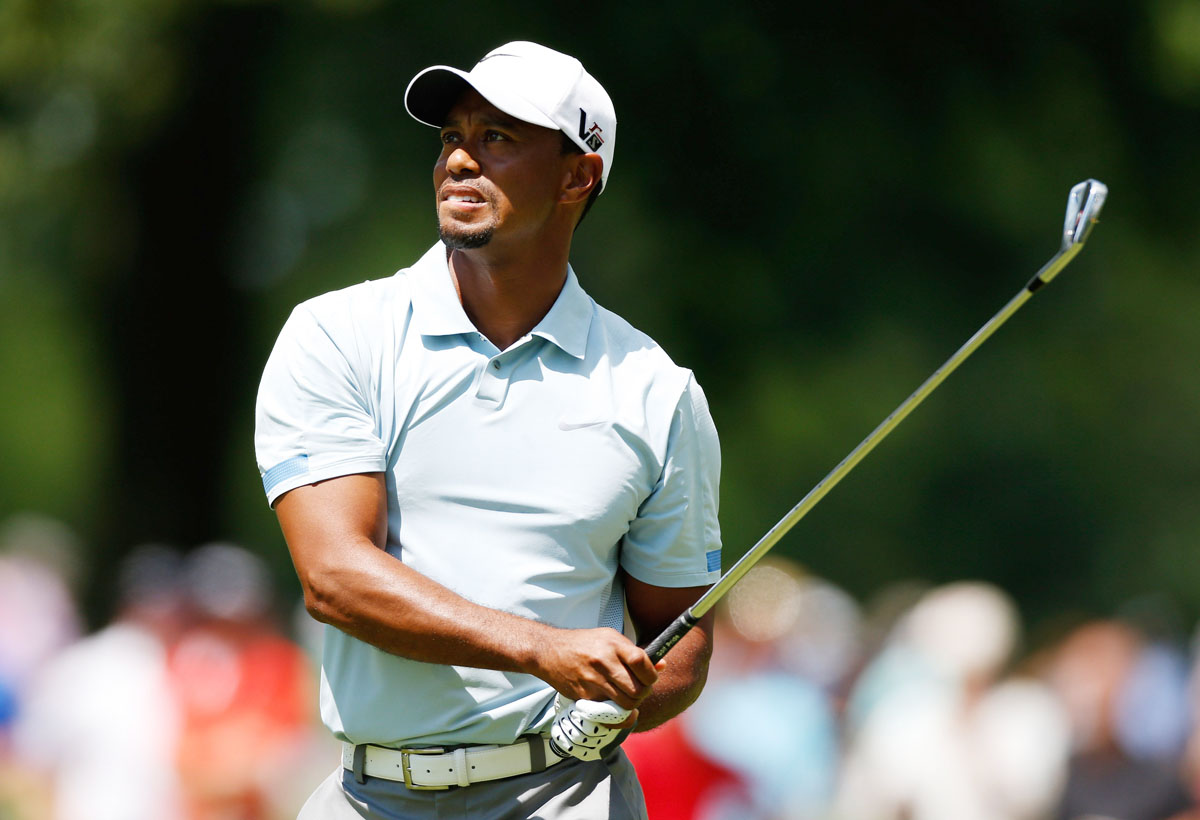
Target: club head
[{"x": 1083, "y": 211}]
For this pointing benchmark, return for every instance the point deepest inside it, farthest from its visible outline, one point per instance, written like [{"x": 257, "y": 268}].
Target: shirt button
[{"x": 496, "y": 365}]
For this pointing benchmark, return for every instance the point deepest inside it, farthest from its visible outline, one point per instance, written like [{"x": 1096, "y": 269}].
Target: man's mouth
[{"x": 462, "y": 196}]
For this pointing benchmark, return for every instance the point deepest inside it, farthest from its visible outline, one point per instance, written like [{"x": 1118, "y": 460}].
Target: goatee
[{"x": 465, "y": 240}]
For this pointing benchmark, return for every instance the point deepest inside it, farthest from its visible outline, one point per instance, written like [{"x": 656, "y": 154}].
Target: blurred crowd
[
  {"x": 928, "y": 704},
  {"x": 195, "y": 702},
  {"x": 198, "y": 701}
]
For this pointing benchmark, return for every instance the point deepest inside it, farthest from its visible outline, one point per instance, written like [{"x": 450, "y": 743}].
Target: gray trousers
[{"x": 571, "y": 790}]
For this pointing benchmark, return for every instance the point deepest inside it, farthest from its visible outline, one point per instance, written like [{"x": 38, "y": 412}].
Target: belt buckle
[{"x": 404, "y": 768}]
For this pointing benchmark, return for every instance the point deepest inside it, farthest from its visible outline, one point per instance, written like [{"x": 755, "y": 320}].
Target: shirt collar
[
  {"x": 570, "y": 318},
  {"x": 437, "y": 310}
]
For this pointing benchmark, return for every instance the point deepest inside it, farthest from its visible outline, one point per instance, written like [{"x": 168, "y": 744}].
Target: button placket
[
  {"x": 496, "y": 375},
  {"x": 493, "y": 382}
]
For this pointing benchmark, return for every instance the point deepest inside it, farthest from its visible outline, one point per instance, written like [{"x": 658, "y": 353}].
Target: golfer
[{"x": 490, "y": 486}]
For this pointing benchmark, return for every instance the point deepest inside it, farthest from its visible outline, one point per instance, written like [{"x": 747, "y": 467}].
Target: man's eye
[
  {"x": 449, "y": 138},
  {"x": 494, "y": 136}
]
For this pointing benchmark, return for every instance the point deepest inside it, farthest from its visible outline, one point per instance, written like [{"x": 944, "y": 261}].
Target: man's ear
[{"x": 582, "y": 176}]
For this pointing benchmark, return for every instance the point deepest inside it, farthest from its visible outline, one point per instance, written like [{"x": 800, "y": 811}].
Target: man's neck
[{"x": 505, "y": 297}]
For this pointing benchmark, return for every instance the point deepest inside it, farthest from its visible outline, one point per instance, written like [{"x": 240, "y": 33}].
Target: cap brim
[{"x": 434, "y": 91}]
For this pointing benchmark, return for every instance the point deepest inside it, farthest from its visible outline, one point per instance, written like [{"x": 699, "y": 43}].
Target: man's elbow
[{"x": 324, "y": 595}]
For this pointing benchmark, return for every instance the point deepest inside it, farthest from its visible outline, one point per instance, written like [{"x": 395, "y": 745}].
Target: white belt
[{"x": 440, "y": 769}]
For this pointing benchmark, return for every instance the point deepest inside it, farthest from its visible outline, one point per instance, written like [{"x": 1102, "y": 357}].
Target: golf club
[{"x": 1083, "y": 211}]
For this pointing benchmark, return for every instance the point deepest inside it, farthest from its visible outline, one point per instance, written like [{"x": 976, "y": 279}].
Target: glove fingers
[
  {"x": 575, "y": 732},
  {"x": 601, "y": 711},
  {"x": 583, "y": 737},
  {"x": 565, "y": 746},
  {"x": 587, "y": 728}
]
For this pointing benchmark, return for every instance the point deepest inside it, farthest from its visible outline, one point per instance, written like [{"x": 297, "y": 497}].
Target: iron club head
[{"x": 1083, "y": 211}]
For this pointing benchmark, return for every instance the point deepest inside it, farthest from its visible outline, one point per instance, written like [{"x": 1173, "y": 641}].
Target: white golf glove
[{"x": 585, "y": 729}]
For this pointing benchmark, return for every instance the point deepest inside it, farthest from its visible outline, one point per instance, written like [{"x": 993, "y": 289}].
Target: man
[{"x": 479, "y": 472}]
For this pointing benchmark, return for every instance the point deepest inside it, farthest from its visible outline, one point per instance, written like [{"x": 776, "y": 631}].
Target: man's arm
[
  {"x": 336, "y": 531},
  {"x": 683, "y": 672}
]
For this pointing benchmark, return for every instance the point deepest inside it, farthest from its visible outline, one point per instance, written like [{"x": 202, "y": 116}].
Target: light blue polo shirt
[{"x": 520, "y": 479}]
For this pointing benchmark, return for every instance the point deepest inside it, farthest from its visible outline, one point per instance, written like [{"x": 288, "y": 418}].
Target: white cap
[{"x": 532, "y": 83}]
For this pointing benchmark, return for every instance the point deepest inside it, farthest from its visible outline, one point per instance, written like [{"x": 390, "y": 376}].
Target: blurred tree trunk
[{"x": 175, "y": 321}]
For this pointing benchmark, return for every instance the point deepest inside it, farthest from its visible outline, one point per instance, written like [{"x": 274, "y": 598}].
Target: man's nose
[{"x": 461, "y": 163}]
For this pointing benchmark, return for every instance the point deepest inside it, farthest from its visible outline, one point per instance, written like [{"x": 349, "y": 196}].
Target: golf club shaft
[{"x": 661, "y": 645}]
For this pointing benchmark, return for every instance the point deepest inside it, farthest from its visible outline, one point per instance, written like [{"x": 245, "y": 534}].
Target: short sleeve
[
  {"x": 675, "y": 541},
  {"x": 313, "y": 419}
]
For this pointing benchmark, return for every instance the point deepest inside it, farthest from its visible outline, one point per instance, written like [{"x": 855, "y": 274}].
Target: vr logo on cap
[{"x": 590, "y": 136}]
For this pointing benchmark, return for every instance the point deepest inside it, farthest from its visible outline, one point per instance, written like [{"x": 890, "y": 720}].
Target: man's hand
[
  {"x": 588, "y": 729},
  {"x": 595, "y": 664}
]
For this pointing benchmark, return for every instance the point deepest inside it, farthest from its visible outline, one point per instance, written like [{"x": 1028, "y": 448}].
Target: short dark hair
[{"x": 569, "y": 147}]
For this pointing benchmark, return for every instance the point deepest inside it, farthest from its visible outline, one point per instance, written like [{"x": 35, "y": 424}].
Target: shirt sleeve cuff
[
  {"x": 673, "y": 580},
  {"x": 285, "y": 482}
]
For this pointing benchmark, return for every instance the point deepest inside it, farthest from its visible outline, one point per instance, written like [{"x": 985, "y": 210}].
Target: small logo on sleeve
[
  {"x": 590, "y": 136},
  {"x": 713, "y": 557}
]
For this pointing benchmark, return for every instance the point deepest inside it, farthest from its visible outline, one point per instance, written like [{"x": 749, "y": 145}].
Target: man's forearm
[
  {"x": 681, "y": 681},
  {"x": 379, "y": 600}
]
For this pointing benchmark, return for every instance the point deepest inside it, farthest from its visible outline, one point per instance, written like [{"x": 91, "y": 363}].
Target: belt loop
[
  {"x": 460, "y": 767},
  {"x": 360, "y": 761},
  {"x": 537, "y": 753}
]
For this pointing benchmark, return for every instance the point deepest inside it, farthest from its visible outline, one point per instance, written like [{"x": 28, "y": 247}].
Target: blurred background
[{"x": 810, "y": 207}]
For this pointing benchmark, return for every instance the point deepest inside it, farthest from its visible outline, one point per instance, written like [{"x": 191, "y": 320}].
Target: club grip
[{"x": 660, "y": 646}]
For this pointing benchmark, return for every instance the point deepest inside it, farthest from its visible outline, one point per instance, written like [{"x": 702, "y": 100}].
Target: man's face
[{"x": 497, "y": 177}]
